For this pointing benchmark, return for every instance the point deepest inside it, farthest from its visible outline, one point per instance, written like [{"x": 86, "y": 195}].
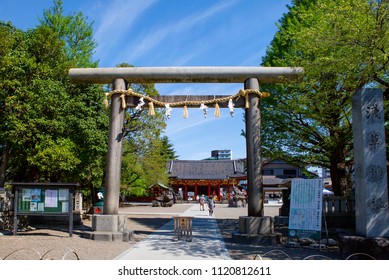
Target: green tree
[
  {"x": 167, "y": 150},
  {"x": 86, "y": 117},
  {"x": 343, "y": 46},
  {"x": 145, "y": 152},
  {"x": 52, "y": 130},
  {"x": 75, "y": 31},
  {"x": 13, "y": 64},
  {"x": 30, "y": 93}
]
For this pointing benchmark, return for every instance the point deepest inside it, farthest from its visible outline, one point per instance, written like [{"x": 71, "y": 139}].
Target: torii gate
[{"x": 251, "y": 77}]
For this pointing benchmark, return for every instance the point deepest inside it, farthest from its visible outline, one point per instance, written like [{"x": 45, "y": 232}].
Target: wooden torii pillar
[{"x": 251, "y": 77}]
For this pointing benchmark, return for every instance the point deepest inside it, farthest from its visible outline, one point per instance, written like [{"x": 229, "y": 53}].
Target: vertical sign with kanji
[
  {"x": 370, "y": 164},
  {"x": 306, "y": 208}
]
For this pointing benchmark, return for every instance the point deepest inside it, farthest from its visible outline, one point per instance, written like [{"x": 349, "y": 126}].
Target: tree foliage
[
  {"x": 75, "y": 31},
  {"x": 51, "y": 130},
  {"x": 146, "y": 151},
  {"x": 167, "y": 151},
  {"x": 343, "y": 46}
]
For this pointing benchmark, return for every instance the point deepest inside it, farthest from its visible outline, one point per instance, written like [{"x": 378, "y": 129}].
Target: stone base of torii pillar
[
  {"x": 256, "y": 230},
  {"x": 109, "y": 228}
]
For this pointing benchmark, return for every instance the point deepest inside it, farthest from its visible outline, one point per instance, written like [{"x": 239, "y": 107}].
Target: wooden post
[
  {"x": 70, "y": 210},
  {"x": 253, "y": 150},
  {"x": 114, "y": 161},
  {"x": 16, "y": 206}
]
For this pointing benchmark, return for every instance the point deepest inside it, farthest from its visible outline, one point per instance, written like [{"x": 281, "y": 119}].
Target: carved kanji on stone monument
[{"x": 371, "y": 192}]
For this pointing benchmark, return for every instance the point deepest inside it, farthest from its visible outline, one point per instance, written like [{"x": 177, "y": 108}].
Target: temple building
[
  {"x": 190, "y": 178},
  {"x": 209, "y": 177}
]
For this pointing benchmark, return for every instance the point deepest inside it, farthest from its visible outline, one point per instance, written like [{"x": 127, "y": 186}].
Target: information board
[
  {"x": 306, "y": 208},
  {"x": 40, "y": 199},
  {"x": 51, "y": 199}
]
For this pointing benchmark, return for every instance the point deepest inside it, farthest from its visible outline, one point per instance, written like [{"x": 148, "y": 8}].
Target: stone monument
[{"x": 371, "y": 186}]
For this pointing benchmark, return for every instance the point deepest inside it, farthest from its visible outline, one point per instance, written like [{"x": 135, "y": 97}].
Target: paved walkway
[{"x": 207, "y": 242}]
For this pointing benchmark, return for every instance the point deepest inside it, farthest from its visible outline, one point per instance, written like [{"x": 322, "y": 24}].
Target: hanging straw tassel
[
  {"x": 244, "y": 93},
  {"x": 217, "y": 110},
  {"x": 247, "y": 101},
  {"x": 186, "y": 114},
  {"x": 106, "y": 102},
  {"x": 123, "y": 97},
  {"x": 265, "y": 94},
  {"x": 151, "y": 109}
]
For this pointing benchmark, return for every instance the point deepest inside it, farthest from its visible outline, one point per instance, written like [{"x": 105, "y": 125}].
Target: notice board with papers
[
  {"x": 51, "y": 199},
  {"x": 40, "y": 200}
]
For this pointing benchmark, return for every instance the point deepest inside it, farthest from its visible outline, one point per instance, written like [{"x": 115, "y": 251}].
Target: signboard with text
[
  {"x": 43, "y": 199},
  {"x": 36, "y": 199},
  {"x": 306, "y": 208}
]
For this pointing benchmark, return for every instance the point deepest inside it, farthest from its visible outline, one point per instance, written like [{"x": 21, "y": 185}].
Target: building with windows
[
  {"x": 323, "y": 173},
  {"x": 221, "y": 154},
  {"x": 280, "y": 169}
]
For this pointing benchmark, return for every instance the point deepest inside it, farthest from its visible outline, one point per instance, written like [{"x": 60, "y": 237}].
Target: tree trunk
[
  {"x": 339, "y": 175},
  {"x": 3, "y": 167}
]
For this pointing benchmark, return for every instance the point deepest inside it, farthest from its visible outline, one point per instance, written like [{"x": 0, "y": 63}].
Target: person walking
[
  {"x": 211, "y": 205},
  {"x": 202, "y": 202}
]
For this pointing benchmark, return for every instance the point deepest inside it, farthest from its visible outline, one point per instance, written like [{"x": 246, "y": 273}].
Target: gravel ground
[{"x": 55, "y": 243}]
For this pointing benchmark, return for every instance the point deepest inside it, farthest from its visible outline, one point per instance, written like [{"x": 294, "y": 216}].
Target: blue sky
[{"x": 176, "y": 33}]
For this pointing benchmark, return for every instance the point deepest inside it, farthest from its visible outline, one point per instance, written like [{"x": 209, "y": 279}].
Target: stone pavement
[{"x": 206, "y": 243}]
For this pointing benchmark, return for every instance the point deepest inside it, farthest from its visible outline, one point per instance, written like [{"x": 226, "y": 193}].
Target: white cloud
[
  {"x": 183, "y": 60},
  {"x": 180, "y": 124},
  {"x": 116, "y": 19},
  {"x": 155, "y": 37},
  {"x": 254, "y": 59}
]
